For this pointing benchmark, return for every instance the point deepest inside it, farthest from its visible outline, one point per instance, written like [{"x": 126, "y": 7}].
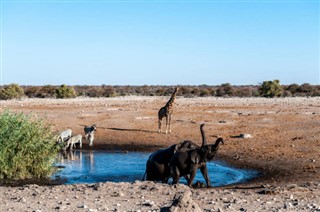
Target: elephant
[
  {"x": 158, "y": 164},
  {"x": 185, "y": 163}
]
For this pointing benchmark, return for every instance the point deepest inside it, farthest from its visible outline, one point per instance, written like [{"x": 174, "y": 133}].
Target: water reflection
[
  {"x": 99, "y": 166},
  {"x": 69, "y": 156}
]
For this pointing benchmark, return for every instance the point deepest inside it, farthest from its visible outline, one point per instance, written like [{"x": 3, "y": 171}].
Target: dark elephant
[
  {"x": 158, "y": 164},
  {"x": 187, "y": 162}
]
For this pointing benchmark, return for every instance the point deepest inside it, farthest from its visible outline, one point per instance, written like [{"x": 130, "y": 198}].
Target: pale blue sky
[{"x": 159, "y": 42}]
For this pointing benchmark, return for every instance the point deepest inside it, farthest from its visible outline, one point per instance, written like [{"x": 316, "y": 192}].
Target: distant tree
[
  {"x": 48, "y": 91},
  {"x": 32, "y": 91},
  {"x": 65, "y": 92},
  {"x": 243, "y": 92},
  {"x": 160, "y": 92},
  {"x": 204, "y": 92},
  {"x": 11, "y": 91},
  {"x": 109, "y": 91},
  {"x": 227, "y": 89},
  {"x": 271, "y": 89},
  {"x": 293, "y": 88},
  {"x": 195, "y": 91},
  {"x": 316, "y": 91},
  {"x": 306, "y": 89},
  {"x": 184, "y": 91}
]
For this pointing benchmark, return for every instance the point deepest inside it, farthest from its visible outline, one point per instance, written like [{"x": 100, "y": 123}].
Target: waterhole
[{"x": 100, "y": 166}]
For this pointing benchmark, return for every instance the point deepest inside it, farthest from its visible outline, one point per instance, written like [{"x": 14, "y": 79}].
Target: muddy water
[{"x": 100, "y": 166}]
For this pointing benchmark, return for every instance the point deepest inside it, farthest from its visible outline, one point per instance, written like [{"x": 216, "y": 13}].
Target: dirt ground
[{"x": 285, "y": 132}]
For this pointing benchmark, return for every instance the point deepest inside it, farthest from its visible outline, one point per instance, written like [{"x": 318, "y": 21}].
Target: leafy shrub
[
  {"x": 108, "y": 91},
  {"x": 293, "y": 88},
  {"x": 65, "y": 92},
  {"x": 271, "y": 89},
  {"x": 11, "y": 91},
  {"x": 27, "y": 147},
  {"x": 32, "y": 92},
  {"x": 47, "y": 91},
  {"x": 243, "y": 91},
  {"x": 306, "y": 88}
]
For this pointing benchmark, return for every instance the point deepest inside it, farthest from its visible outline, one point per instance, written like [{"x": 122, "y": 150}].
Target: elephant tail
[{"x": 144, "y": 176}]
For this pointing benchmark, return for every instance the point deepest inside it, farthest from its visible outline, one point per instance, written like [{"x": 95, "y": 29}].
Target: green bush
[
  {"x": 271, "y": 89},
  {"x": 65, "y": 92},
  {"x": 11, "y": 91},
  {"x": 27, "y": 147}
]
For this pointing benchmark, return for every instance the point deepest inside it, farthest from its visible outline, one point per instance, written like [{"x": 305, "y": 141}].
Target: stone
[
  {"x": 183, "y": 203},
  {"x": 82, "y": 206},
  {"x": 245, "y": 136}
]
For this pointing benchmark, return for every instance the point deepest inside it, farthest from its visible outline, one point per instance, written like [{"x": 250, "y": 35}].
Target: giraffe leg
[
  {"x": 167, "y": 122},
  {"x": 170, "y": 123},
  {"x": 159, "y": 125}
]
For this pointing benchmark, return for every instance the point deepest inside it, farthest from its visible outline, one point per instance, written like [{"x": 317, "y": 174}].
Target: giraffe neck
[{"x": 171, "y": 100}]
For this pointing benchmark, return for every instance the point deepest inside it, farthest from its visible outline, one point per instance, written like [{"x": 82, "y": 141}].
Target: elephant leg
[
  {"x": 175, "y": 175},
  {"x": 192, "y": 176},
  {"x": 165, "y": 180},
  {"x": 187, "y": 178},
  {"x": 204, "y": 172}
]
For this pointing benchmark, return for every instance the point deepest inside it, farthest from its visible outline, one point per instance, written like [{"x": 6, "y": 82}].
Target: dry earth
[{"x": 285, "y": 148}]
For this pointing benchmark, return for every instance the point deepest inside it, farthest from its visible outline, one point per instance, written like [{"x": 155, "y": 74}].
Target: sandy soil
[{"x": 285, "y": 148}]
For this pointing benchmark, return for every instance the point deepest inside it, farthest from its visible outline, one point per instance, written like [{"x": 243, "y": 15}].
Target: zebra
[
  {"x": 71, "y": 142},
  {"x": 64, "y": 135},
  {"x": 91, "y": 138},
  {"x": 88, "y": 130}
]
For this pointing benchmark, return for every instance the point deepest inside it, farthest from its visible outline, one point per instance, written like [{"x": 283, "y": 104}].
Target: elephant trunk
[
  {"x": 218, "y": 142},
  {"x": 204, "y": 139}
]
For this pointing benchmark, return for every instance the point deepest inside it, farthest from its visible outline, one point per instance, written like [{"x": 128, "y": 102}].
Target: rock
[
  {"x": 245, "y": 136},
  {"x": 82, "y": 206},
  {"x": 182, "y": 203},
  {"x": 61, "y": 208},
  {"x": 148, "y": 203}
]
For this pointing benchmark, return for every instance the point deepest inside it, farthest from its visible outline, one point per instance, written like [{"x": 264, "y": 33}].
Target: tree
[
  {"x": 65, "y": 92},
  {"x": 11, "y": 91},
  {"x": 293, "y": 88},
  {"x": 271, "y": 89},
  {"x": 306, "y": 89}
]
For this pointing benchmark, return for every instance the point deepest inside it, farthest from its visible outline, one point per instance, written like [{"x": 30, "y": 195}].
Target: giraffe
[{"x": 167, "y": 111}]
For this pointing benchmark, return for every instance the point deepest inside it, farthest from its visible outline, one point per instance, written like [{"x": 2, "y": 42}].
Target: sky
[{"x": 160, "y": 42}]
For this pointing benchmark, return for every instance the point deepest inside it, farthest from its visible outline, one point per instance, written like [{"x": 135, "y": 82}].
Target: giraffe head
[{"x": 176, "y": 89}]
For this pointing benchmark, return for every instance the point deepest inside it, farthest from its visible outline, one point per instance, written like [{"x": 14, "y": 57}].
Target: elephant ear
[
  {"x": 177, "y": 147},
  {"x": 195, "y": 157}
]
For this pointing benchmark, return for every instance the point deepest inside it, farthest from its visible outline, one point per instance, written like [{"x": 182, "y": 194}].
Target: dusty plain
[{"x": 284, "y": 146}]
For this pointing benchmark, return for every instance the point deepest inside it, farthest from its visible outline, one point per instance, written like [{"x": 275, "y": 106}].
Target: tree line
[{"x": 268, "y": 89}]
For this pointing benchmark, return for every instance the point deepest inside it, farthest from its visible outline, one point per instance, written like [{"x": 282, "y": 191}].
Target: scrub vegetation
[
  {"x": 269, "y": 89},
  {"x": 27, "y": 147}
]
